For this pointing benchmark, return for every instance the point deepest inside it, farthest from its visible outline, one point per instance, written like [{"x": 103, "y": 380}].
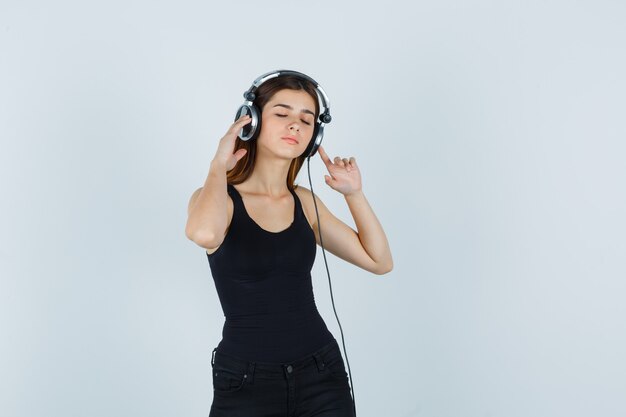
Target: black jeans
[{"x": 316, "y": 385}]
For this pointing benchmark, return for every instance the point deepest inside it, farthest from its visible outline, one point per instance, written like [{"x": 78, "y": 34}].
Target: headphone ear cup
[
  {"x": 256, "y": 119},
  {"x": 316, "y": 140},
  {"x": 250, "y": 130}
]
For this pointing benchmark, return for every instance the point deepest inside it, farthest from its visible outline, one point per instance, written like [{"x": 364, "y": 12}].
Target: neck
[{"x": 269, "y": 176}]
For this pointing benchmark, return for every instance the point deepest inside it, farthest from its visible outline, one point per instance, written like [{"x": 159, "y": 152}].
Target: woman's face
[{"x": 287, "y": 123}]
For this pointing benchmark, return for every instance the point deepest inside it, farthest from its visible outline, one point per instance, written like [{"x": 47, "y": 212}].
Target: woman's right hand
[{"x": 224, "y": 154}]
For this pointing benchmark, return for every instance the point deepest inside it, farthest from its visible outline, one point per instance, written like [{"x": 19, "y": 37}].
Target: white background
[{"x": 490, "y": 136}]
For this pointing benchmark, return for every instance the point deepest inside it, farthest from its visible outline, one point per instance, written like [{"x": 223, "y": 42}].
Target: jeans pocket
[
  {"x": 333, "y": 362},
  {"x": 226, "y": 379}
]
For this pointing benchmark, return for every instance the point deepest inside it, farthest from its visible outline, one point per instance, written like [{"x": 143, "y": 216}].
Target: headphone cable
[{"x": 319, "y": 229}]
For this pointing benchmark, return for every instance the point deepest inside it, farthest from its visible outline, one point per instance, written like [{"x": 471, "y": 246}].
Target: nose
[{"x": 296, "y": 127}]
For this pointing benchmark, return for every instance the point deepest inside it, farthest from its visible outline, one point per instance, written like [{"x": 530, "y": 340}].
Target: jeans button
[{"x": 289, "y": 369}]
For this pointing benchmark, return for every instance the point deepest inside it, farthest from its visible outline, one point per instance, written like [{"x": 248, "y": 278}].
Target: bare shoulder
[
  {"x": 306, "y": 198},
  {"x": 302, "y": 192}
]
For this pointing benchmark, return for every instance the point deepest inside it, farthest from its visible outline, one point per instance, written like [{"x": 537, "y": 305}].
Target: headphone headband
[
  {"x": 321, "y": 94},
  {"x": 252, "y": 130}
]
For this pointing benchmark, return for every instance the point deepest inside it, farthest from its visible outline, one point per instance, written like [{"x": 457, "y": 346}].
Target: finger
[
  {"x": 324, "y": 156},
  {"x": 242, "y": 120},
  {"x": 240, "y": 153},
  {"x": 245, "y": 119},
  {"x": 337, "y": 160}
]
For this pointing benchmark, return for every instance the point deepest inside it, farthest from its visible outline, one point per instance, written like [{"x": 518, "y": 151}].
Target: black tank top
[{"x": 263, "y": 280}]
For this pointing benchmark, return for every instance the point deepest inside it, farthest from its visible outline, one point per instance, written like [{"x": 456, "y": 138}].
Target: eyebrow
[{"x": 291, "y": 108}]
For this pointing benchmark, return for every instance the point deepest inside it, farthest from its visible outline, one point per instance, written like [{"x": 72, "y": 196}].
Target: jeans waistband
[{"x": 275, "y": 369}]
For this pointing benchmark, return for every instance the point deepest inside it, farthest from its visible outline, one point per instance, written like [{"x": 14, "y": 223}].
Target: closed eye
[{"x": 303, "y": 121}]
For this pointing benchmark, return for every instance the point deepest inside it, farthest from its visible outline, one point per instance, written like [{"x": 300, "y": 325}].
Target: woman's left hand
[{"x": 345, "y": 176}]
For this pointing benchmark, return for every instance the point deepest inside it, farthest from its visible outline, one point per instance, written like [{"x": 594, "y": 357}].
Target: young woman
[{"x": 259, "y": 230}]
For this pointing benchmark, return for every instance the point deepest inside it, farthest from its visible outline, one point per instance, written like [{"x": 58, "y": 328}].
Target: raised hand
[
  {"x": 345, "y": 176},
  {"x": 224, "y": 153}
]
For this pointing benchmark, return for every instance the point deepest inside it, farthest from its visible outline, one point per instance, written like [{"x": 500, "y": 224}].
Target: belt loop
[
  {"x": 250, "y": 371},
  {"x": 319, "y": 361},
  {"x": 213, "y": 358}
]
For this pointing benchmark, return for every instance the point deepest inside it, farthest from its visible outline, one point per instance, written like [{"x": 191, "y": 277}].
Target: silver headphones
[{"x": 252, "y": 129}]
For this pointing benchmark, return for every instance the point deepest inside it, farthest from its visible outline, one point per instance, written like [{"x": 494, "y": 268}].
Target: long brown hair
[{"x": 244, "y": 167}]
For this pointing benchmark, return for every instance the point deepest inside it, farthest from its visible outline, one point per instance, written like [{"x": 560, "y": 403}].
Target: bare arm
[
  {"x": 367, "y": 247},
  {"x": 370, "y": 232},
  {"x": 207, "y": 213}
]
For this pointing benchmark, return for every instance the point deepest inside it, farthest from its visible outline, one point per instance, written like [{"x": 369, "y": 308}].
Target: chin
[{"x": 283, "y": 153}]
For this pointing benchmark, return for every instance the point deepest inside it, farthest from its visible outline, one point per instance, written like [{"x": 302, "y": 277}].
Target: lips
[{"x": 290, "y": 139}]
